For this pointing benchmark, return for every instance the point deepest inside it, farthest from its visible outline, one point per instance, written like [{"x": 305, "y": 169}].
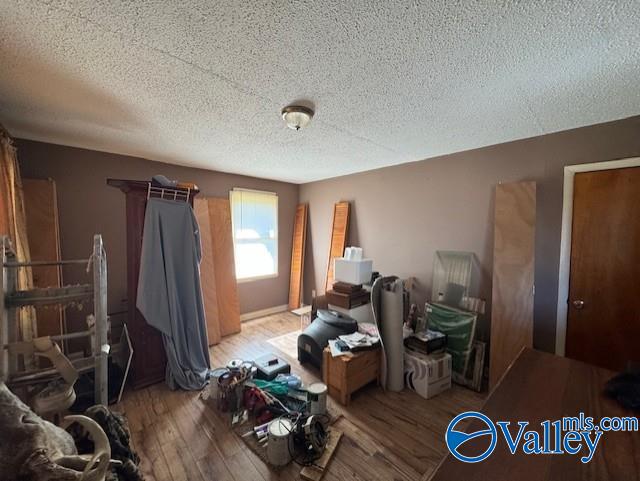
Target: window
[{"x": 254, "y": 216}]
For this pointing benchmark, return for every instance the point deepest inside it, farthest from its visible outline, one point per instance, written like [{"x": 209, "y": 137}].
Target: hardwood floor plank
[
  {"x": 174, "y": 462},
  {"x": 194, "y": 435},
  {"x": 139, "y": 440},
  {"x": 371, "y": 445},
  {"x": 213, "y": 468},
  {"x": 241, "y": 468}
]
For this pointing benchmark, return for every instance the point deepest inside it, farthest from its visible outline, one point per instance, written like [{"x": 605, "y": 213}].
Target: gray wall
[
  {"x": 87, "y": 206},
  {"x": 401, "y": 215}
]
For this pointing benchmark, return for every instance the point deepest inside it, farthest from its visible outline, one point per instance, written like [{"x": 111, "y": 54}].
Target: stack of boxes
[
  {"x": 427, "y": 367},
  {"x": 350, "y": 295}
]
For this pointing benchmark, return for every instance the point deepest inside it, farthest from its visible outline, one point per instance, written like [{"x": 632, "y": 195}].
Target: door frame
[{"x": 564, "y": 270}]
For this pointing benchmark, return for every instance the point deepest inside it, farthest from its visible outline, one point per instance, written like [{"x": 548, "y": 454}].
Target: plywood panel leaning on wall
[
  {"x": 339, "y": 237},
  {"x": 513, "y": 275},
  {"x": 41, "y": 208},
  {"x": 207, "y": 271},
  {"x": 297, "y": 256},
  {"x": 224, "y": 266}
]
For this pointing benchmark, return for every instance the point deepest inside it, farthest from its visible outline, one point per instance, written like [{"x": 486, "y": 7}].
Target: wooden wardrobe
[{"x": 149, "y": 358}]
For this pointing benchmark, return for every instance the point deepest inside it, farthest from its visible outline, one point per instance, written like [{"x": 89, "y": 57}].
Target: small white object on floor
[
  {"x": 280, "y": 442},
  {"x": 302, "y": 310},
  {"x": 317, "y": 395}
]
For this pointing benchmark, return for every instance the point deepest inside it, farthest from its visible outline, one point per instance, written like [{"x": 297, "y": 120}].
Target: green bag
[
  {"x": 272, "y": 387},
  {"x": 459, "y": 326}
]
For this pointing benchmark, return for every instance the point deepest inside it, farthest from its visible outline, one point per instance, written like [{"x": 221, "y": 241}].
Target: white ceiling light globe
[{"x": 297, "y": 117}]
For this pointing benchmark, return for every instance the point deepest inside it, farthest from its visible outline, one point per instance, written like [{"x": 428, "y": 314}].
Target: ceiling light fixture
[{"x": 296, "y": 116}]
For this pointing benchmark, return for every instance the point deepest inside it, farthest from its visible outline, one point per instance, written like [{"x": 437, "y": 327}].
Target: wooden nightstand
[{"x": 345, "y": 374}]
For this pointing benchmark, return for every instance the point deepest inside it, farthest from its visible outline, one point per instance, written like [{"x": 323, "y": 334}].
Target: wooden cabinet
[{"x": 149, "y": 358}]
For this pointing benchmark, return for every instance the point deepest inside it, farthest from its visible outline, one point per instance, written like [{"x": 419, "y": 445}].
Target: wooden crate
[
  {"x": 344, "y": 375},
  {"x": 316, "y": 471}
]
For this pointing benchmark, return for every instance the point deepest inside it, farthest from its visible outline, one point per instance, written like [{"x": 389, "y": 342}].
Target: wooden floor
[{"x": 388, "y": 436}]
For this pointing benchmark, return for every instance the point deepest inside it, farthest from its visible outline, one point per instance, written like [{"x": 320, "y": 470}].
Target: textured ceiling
[{"x": 201, "y": 82}]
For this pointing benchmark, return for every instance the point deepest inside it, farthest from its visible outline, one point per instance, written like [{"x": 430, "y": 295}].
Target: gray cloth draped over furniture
[{"x": 169, "y": 293}]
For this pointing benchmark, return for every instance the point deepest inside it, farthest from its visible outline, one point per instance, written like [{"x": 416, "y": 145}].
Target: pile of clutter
[
  {"x": 350, "y": 296},
  {"x": 350, "y": 293},
  {"x": 427, "y": 365},
  {"x": 424, "y": 351},
  {"x": 93, "y": 447},
  {"x": 449, "y": 321},
  {"x": 290, "y": 419},
  {"x": 366, "y": 337}
]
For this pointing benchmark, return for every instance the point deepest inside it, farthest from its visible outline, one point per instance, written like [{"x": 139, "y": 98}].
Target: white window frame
[{"x": 277, "y": 232}]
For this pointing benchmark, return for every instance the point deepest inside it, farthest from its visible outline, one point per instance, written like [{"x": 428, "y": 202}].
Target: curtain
[{"x": 13, "y": 223}]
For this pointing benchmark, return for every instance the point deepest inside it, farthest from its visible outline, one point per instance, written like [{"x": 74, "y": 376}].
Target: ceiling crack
[{"x": 232, "y": 83}]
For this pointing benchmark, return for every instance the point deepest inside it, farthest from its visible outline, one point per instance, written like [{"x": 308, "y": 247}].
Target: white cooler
[{"x": 352, "y": 271}]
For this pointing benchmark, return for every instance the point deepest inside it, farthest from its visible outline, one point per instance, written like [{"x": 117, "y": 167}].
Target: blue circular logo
[{"x": 456, "y": 438}]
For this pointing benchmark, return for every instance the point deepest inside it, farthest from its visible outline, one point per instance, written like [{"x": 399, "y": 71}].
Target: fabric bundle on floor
[
  {"x": 115, "y": 427},
  {"x": 169, "y": 293}
]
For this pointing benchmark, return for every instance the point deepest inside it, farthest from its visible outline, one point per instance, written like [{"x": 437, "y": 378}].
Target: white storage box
[
  {"x": 352, "y": 272},
  {"x": 363, "y": 313},
  {"x": 427, "y": 375}
]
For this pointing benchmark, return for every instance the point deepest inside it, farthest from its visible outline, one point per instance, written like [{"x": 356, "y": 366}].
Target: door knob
[{"x": 578, "y": 303}]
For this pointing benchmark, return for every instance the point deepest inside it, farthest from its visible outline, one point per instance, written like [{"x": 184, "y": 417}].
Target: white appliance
[{"x": 352, "y": 271}]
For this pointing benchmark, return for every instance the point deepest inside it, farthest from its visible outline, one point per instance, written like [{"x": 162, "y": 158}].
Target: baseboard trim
[{"x": 263, "y": 312}]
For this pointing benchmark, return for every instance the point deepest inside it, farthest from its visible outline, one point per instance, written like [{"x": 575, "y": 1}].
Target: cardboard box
[
  {"x": 427, "y": 375},
  {"x": 352, "y": 272},
  {"x": 348, "y": 301}
]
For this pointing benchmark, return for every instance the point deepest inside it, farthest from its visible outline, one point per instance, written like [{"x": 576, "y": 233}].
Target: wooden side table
[{"x": 345, "y": 374}]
